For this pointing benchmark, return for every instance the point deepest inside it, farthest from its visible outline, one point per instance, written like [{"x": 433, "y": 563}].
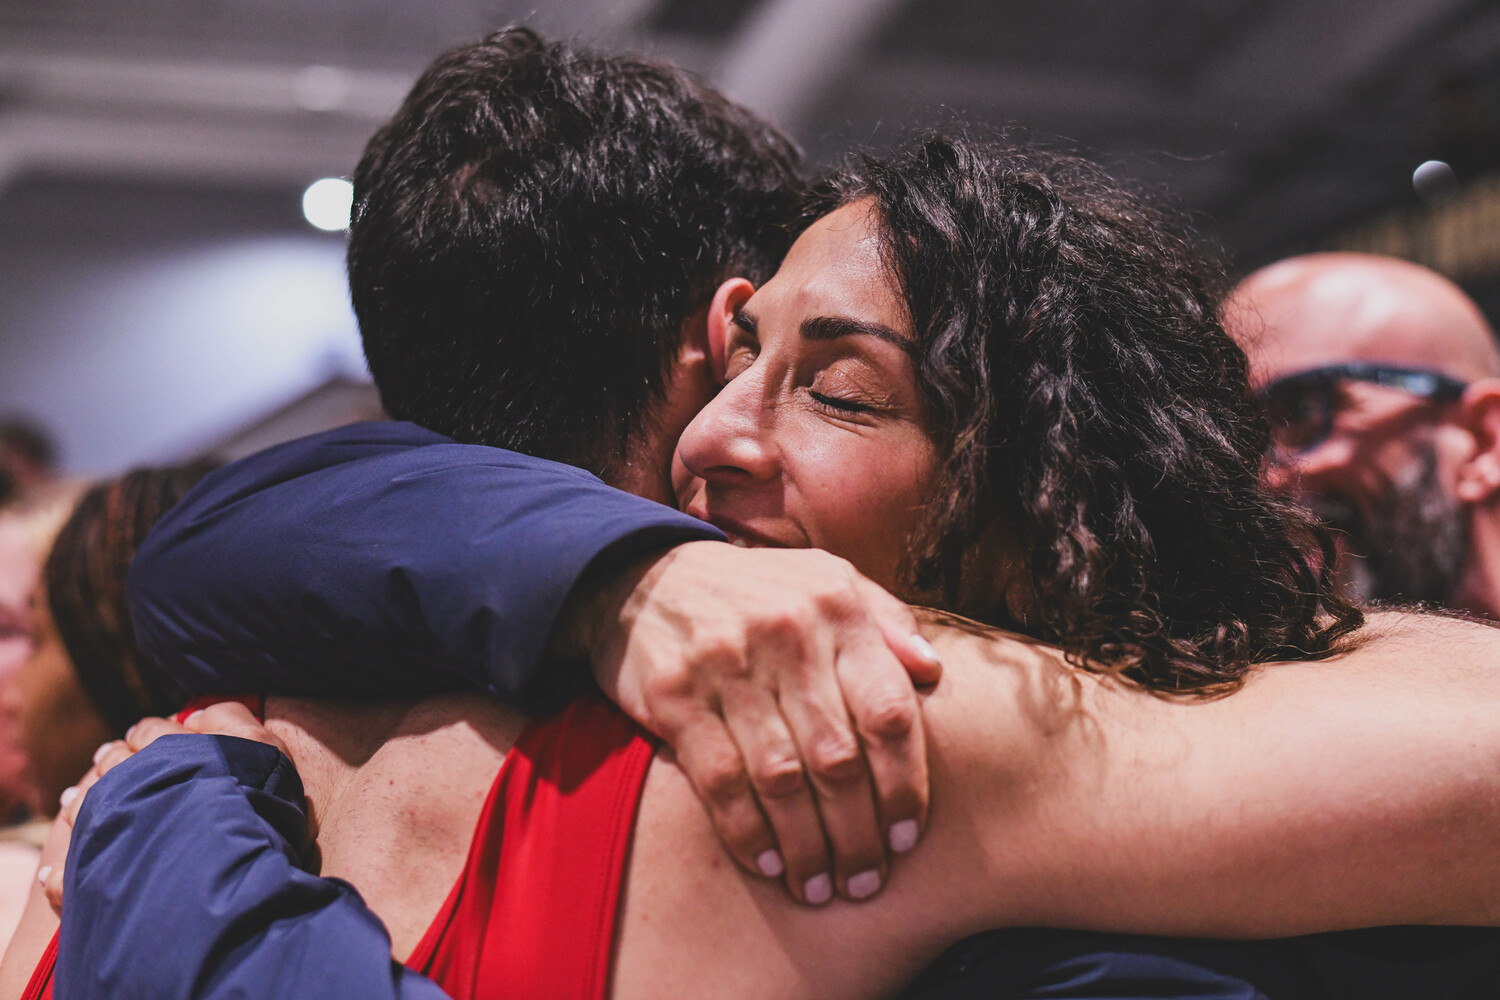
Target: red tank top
[{"x": 532, "y": 915}]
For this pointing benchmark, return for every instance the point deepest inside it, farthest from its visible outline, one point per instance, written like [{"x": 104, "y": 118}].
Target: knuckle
[
  {"x": 836, "y": 759},
  {"x": 841, "y": 602},
  {"x": 721, "y": 777},
  {"x": 778, "y": 777},
  {"x": 787, "y": 624},
  {"x": 723, "y": 651},
  {"x": 890, "y": 716},
  {"x": 670, "y": 681}
]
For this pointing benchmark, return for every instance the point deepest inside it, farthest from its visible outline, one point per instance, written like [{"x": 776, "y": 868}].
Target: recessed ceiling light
[{"x": 327, "y": 203}]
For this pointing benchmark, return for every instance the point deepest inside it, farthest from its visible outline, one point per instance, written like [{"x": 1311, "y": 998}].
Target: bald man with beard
[{"x": 1382, "y": 381}]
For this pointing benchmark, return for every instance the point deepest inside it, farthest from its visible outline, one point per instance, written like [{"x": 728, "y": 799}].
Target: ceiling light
[{"x": 327, "y": 203}]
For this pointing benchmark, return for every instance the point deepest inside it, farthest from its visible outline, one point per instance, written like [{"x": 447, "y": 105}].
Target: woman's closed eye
[
  {"x": 847, "y": 389},
  {"x": 840, "y": 403}
]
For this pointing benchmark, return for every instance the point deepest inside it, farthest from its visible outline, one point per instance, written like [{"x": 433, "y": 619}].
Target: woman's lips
[{"x": 742, "y": 534}]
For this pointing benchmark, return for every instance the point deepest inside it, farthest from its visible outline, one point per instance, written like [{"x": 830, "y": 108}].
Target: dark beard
[{"x": 1411, "y": 545}]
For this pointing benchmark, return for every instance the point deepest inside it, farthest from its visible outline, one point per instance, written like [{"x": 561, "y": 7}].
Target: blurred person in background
[
  {"x": 28, "y": 456},
  {"x": 1382, "y": 382},
  {"x": 27, "y": 528},
  {"x": 86, "y": 681}
]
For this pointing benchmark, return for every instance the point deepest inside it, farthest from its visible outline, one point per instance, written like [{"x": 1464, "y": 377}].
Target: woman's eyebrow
[{"x": 834, "y": 327}]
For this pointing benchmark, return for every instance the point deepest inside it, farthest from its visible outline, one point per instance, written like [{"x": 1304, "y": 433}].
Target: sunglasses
[{"x": 1301, "y": 406}]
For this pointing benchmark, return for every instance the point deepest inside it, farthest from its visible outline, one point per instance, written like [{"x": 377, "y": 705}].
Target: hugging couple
[{"x": 616, "y": 331}]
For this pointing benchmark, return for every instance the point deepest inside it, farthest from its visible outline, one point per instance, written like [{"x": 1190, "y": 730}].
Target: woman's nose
[{"x": 732, "y": 438}]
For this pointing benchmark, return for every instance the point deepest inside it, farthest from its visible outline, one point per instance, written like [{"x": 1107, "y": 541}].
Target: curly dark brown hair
[{"x": 1095, "y": 418}]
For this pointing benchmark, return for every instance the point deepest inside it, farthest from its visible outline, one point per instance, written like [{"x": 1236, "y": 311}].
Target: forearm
[
  {"x": 242, "y": 917},
  {"x": 1359, "y": 791}
]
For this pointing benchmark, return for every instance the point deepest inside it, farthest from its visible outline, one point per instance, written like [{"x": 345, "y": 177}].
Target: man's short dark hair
[{"x": 535, "y": 225}]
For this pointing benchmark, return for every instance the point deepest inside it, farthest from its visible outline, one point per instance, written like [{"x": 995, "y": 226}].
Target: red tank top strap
[{"x": 533, "y": 915}]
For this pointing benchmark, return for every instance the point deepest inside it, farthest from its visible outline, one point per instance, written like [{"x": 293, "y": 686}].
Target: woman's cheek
[{"x": 867, "y": 499}]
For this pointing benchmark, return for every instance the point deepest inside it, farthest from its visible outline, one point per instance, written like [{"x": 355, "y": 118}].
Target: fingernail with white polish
[
  {"x": 770, "y": 864},
  {"x": 864, "y": 885},
  {"x": 42, "y": 873},
  {"x": 904, "y": 836},
  {"x": 68, "y": 795},
  {"x": 924, "y": 647},
  {"x": 99, "y": 754},
  {"x": 818, "y": 889}
]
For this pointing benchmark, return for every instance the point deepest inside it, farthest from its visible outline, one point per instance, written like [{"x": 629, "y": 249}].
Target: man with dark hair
[
  {"x": 532, "y": 232},
  {"x": 534, "y": 228}
]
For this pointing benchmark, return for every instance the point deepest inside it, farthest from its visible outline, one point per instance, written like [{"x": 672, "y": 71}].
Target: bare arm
[{"x": 1353, "y": 792}]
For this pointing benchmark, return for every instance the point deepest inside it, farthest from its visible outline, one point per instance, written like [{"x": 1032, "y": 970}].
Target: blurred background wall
[{"x": 161, "y": 291}]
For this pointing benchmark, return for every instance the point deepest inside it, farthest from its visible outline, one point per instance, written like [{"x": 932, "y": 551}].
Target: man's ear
[
  {"x": 1479, "y": 413},
  {"x": 731, "y": 295}
]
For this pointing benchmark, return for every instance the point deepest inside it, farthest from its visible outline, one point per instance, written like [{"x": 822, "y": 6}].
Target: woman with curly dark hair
[{"x": 1045, "y": 347}]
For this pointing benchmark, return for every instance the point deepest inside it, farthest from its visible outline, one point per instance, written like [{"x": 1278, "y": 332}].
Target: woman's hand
[
  {"x": 783, "y": 681},
  {"x": 228, "y": 718}
]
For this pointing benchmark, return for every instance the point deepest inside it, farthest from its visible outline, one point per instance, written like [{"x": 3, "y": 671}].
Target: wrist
[{"x": 597, "y": 614}]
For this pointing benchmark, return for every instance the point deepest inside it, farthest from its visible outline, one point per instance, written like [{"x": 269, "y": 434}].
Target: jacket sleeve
[
  {"x": 383, "y": 560},
  {"x": 184, "y": 879}
]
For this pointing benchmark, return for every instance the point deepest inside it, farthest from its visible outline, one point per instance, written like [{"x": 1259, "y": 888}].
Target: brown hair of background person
[{"x": 88, "y": 681}]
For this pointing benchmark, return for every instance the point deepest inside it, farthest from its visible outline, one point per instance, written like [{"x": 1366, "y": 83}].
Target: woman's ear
[{"x": 731, "y": 295}]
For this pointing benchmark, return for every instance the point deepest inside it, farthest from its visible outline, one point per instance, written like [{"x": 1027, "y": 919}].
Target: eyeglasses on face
[{"x": 1301, "y": 406}]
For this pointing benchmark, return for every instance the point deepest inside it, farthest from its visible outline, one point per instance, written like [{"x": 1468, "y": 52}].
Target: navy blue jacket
[{"x": 383, "y": 559}]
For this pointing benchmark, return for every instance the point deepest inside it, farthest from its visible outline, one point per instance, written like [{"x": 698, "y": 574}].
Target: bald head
[{"x": 1332, "y": 308}]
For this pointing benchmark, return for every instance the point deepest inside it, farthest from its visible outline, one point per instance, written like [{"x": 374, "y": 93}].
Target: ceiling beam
[
  {"x": 255, "y": 153},
  {"x": 789, "y": 53},
  {"x": 94, "y": 81}
]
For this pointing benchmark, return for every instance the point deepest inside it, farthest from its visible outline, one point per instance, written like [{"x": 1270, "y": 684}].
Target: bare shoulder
[
  {"x": 37, "y": 925},
  {"x": 395, "y": 790}
]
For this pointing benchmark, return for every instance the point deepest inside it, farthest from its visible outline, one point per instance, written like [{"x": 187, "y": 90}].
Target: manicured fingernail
[
  {"x": 904, "y": 835},
  {"x": 130, "y": 733},
  {"x": 924, "y": 647},
  {"x": 191, "y": 718},
  {"x": 68, "y": 795},
  {"x": 770, "y": 863},
  {"x": 864, "y": 885},
  {"x": 42, "y": 873},
  {"x": 818, "y": 889},
  {"x": 103, "y": 749}
]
